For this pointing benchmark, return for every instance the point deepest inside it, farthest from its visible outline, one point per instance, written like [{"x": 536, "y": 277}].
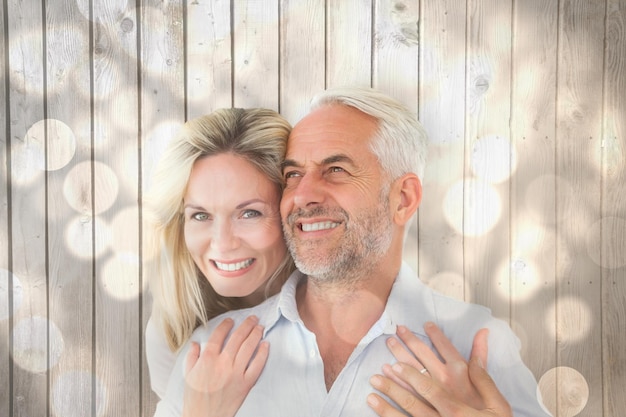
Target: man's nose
[{"x": 309, "y": 191}]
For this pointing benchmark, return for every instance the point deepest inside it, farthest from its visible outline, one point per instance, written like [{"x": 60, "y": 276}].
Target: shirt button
[{"x": 312, "y": 353}]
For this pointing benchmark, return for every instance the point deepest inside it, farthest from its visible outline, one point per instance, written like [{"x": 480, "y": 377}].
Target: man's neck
[{"x": 341, "y": 315}]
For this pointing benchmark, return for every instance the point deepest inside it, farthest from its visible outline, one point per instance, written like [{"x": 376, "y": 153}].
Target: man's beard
[{"x": 366, "y": 239}]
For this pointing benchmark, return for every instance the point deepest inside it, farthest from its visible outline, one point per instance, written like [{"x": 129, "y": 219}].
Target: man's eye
[
  {"x": 250, "y": 214},
  {"x": 336, "y": 169},
  {"x": 291, "y": 174}
]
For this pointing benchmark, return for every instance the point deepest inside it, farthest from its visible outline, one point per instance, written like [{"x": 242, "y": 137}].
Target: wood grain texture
[
  {"x": 533, "y": 183},
  {"x": 442, "y": 113},
  {"x": 255, "y": 31},
  {"x": 28, "y": 209},
  {"x": 6, "y": 280},
  {"x": 348, "y": 42},
  {"x": 486, "y": 216},
  {"x": 115, "y": 120},
  {"x": 613, "y": 237},
  {"x": 209, "y": 56},
  {"x": 578, "y": 196},
  {"x": 70, "y": 220},
  {"x": 302, "y": 55}
]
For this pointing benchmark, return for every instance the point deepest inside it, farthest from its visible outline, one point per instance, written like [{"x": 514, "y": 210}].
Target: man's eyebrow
[{"x": 333, "y": 159}]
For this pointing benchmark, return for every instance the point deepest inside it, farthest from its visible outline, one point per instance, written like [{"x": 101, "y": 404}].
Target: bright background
[{"x": 524, "y": 206}]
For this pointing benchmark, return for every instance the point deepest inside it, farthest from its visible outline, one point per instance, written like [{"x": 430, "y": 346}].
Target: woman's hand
[
  {"x": 218, "y": 379},
  {"x": 434, "y": 400},
  {"x": 451, "y": 373},
  {"x": 451, "y": 379}
]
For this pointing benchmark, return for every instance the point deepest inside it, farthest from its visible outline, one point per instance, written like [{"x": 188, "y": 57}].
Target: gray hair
[{"x": 401, "y": 143}]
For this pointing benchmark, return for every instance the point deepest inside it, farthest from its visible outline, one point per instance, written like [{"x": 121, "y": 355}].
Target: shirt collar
[{"x": 409, "y": 303}]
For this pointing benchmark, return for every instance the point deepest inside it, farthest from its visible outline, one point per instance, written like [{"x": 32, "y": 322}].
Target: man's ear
[{"x": 408, "y": 193}]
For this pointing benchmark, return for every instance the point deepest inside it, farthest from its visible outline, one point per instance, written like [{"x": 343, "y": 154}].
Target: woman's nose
[{"x": 224, "y": 237}]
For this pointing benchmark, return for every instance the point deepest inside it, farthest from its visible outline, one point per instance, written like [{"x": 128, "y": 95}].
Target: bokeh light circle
[
  {"x": 120, "y": 276},
  {"x": 79, "y": 236},
  {"x": 575, "y": 320},
  {"x": 481, "y": 211},
  {"x": 77, "y": 187},
  {"x": 493, "y": 159},
  {"x": 33, "y": 351},
  {"x": 563, "y": 389}
]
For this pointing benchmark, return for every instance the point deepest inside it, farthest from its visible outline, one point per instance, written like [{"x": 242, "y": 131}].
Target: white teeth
[
  {"x": 234, "y": 267},
  {"x": 313, "y": 227}
]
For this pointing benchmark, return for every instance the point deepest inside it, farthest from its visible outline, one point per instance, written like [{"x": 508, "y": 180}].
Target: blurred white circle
[
  {"x": 563, "y": 389},
  {"x": 38, "y": 344}
]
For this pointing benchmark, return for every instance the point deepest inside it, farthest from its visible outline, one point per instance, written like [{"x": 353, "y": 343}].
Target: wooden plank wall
[{"x": 524, "y": 205}]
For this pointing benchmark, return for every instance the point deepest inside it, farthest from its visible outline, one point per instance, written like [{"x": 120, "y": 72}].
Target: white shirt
[
  {"x": 159, "y": 357},
  {"x": 292, "y": 382}
]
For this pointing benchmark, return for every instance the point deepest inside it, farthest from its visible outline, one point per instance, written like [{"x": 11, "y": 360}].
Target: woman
[{"x": 218, "y": 242}]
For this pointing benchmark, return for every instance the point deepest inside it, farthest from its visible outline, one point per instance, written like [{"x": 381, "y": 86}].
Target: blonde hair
[{"x": 183, "y": 299}]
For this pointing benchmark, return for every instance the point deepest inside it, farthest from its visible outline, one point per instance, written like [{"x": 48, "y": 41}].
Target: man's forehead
[{"x": 332, "y": 128}]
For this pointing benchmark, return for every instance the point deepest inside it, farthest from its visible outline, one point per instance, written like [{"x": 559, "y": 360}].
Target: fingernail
[
  {"x": 397, "y": 367},
  {"x": 391, "y": 341},
  {"x": 372, "y": 400},
  {"x": 402, "y": 329},
  {"x": 376, "y": 381},
  {"x": 429, "y": 325}
]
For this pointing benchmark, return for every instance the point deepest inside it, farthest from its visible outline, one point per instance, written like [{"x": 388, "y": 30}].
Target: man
[{"x": 352, "y": 183}]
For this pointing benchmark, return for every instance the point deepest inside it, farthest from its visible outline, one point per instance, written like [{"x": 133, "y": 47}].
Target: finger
[
  {"x": 428, "y": 389},
  {"x": 479, "y": 347},
  {"x": 248, "y": 347},
  {"x": 382, "y": 407},
  {"x": 405, "y": 399},
  {"x": 192, "y": 357},
  {"x": 216, "y": 340},
  {"x": 402, "y": 354},
  {"x": 257, "y": 364},
  {"x": 441, "y": 342},
  {"x": 487, "y": 388},
  {"x": 389, "y": 373},
  {"x": 238, "y": 336},
  {"x": 423, "y": 352}
]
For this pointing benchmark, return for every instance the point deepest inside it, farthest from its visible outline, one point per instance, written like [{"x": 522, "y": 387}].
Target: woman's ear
[{"x": 408, "y": 189}]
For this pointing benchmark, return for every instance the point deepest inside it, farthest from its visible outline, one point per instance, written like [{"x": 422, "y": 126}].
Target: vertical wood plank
[
  {"x": 348, "y": 42},
  {"x": 69, "y": 213},
  {"x": 115, "y": 121},
  {"x": 255, "y": 33},
  {"x": 442, "y": 105},
  {"x": 395, "y": 68},
  {"x": 533, "y": 206},
  {"x": 302, "y": 57},
  {"x": 6, "y": 282},
  {"x": 209, "y": 59},
  {"x": 486, "y": 189},
  {"x": 613, "y": 255},
  {"x": 28, "y": 209},
  {"x": 162, "y": 114},
  {"x": 579, "y": 98}
]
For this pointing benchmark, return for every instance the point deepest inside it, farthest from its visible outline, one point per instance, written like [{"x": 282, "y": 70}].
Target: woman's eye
[
  {"x": 249, "y": 214},
  {"x": 200, "y": 217}
]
